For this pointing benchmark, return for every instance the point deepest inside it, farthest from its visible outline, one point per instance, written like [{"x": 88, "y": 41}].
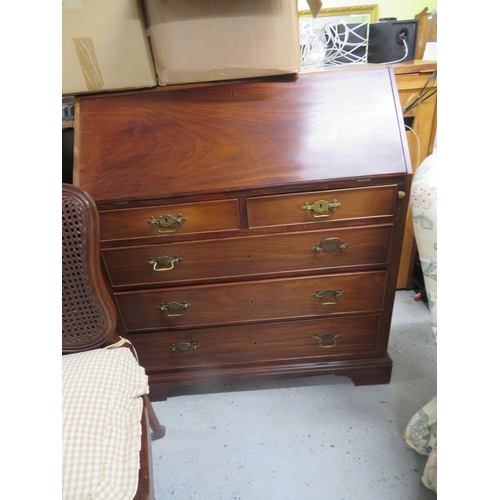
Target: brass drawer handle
[
  {"x": 167, "y": 221},
  {"x": 327, "y": 294},
  {"x": 327, "y": 336},
  {"x": 184, "y": 346},
  {"x": 330, "y": 245},
  {"x": 322, "y": 208},
  {"x": 164, "y": 263},
  {"x": 174, "y": 308}
]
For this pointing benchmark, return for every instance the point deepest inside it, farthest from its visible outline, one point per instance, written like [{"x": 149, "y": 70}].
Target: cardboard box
[
  {"x": 207, "y": 40},
  {"x": 105, "y": 46}
]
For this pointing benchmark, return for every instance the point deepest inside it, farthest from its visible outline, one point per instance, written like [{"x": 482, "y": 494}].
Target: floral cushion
[
  {"x": 421, "y": 431},
  {"x": 424, "y": 210},
  {"x": 421, "y": 435},
  {"x": 101, "y": 424}
]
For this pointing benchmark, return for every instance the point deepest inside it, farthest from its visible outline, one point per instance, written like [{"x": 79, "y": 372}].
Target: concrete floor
[{"x": 312, "y": 438}]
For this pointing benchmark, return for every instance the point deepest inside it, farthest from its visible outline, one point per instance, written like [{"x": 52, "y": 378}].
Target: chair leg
[{"x": 154, "y": 423}]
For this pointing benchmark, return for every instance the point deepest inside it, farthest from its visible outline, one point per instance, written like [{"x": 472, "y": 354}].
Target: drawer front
[
  {"x": 267, "y": 300},
  {"x": 247, "y": 256},
  {"x": 169, "y": 220},
  {"x": 321, "y": 206},
  {"x": 313, "y": 340}
]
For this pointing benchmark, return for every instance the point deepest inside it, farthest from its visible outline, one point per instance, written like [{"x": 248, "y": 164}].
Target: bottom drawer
[{"x": 340, "y": 337}]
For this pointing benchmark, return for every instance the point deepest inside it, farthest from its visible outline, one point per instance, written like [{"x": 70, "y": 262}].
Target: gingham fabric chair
[{"x": 105, "y": 408}]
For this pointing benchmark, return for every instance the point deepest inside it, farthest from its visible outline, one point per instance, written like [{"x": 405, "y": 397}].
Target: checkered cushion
[{"x": 101, "y": 429}]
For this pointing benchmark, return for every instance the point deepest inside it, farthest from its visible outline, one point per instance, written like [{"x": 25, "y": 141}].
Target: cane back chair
[{"x": 94, "y": 353}]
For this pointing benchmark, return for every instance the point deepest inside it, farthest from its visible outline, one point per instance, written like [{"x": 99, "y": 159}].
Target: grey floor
[{"x": 312, "y": 438}]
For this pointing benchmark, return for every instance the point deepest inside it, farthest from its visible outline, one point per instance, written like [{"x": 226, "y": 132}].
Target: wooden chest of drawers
[{"x": 251, "y": 229}]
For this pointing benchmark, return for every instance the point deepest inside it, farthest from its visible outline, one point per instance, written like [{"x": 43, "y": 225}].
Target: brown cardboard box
[
  {"x": 207, "y": 40},
  {"x": 104, "y": 46}
]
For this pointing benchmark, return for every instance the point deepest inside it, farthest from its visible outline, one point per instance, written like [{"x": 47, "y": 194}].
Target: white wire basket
[{"x": 337, "y": 43}]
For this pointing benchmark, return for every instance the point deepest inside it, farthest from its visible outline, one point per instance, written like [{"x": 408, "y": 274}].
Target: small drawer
[
  {"x": 169, "y": 220},
  {"x": 321, "y": 206},
  {"x": 267, "y": 300},
  {"x": 227, "y": 258},
  {"x": 306, "y": 340}
]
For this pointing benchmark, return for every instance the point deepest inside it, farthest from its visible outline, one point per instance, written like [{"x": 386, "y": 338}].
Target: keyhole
[
  {"x": 251, "y": 301},
  {"x": 248, "y": 256}
]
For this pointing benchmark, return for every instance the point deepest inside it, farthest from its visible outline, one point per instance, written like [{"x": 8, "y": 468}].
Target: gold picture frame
[{"x": 371, "y": 9}]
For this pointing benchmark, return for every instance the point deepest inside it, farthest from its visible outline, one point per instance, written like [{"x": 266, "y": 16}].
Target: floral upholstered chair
[
  {"x": 424, "y": 210},
  {"x": 421, "y": 431}
]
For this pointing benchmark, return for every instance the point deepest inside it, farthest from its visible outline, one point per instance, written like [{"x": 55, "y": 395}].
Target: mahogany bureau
[{"x": 251, "y": 229}]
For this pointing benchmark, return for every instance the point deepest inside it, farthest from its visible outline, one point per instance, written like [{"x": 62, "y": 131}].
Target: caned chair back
[{"x": 88, "y": 312}]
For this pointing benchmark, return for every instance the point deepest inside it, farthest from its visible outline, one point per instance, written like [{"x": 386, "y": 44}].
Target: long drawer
[
  {"x": 243, "y": 302},
  {"x": 169, "y": 220},
  {"x": 247, "y": 256},
  {"x": 337, "y": 337},
  {"x": 321, "y": 206}
]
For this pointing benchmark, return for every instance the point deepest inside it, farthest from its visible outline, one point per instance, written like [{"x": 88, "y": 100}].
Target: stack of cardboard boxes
[{"x": 125, "y": 44}]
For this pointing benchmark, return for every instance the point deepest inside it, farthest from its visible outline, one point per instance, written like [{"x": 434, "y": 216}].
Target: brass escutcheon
[
  {"x": 327, "y": 336},
  {"x": 319, "y": 208},
  {"x": 174, "y": 308},
  {"x": 167, "y": 221},
  {"x": 330, "y": 245},
  {"x": 327, "y": 294},
  {"x": 184, "y": 346},
  {"x": 164, "y": 263}
]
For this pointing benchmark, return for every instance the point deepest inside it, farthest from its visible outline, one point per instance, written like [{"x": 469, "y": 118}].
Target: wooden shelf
[{"x": 411, "y": 77}]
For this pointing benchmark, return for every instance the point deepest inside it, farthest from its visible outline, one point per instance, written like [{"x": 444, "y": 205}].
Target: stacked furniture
[{"x": 251, "y": 229}]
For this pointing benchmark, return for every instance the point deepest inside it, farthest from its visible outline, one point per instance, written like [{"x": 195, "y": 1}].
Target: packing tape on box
[{"x": 88, "y": 63}]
